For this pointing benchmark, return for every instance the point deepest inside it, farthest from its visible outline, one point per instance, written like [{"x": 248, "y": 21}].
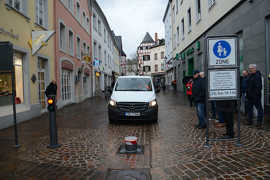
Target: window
[
  {"x": 146, "y": 57},
  {"x": 66, "y": 85},
  {"x": 146, "y": 68},
  {"x": 70, "y": 5},
  {"x": 173, "y": 14},
  {"x": 95, "y": 21},
  {"x": 211, "y": 3},
  {"x": 162, "y": 66},
  {"x": 78, "y": 48},
  {"x": 84, "y": 48},
  {"x": 162, "y": 55},
  {"x": 177, "y": 6},
  {"x": 189, "y": 19},
  {"x": 42, "y": 12},
  {"x": 156, "y": 68},
  {"x": 198, "y": 7},
  {"x": 183, "y": 28},
  {"x": 105, "y": 58},
  {"x": 62, "y": 36},
  {"x": 17, "y": 4},
  {"x": 105, "y": 35},
  {"x": 99, "y": 27},
  {"x": 99, "y": 53},
  {"x": 78, "y": 10},
  {"x": 71, "y": 42},
  {"x": 88, "y": 50},
  {"x": 87, "y": 24},
  {"x": 178, "y": 34},
  {"x": 84, "y": 19},
  {"x": 155, "y": 56},
  {"x": 95, "y": 50}
]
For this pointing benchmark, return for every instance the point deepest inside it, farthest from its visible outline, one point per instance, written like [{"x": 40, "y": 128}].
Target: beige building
[{"x": 157, "y": 58}]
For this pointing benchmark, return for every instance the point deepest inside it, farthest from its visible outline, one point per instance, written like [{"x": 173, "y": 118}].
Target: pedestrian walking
[
  {"x": 198, "y": 94},
  {"x": 254, "y": 95},
  {"x": 243, "y": 91},
  {"x": 51, "y": 89},
  {"x": 227, "y": 109},
  {"x": 189, "y": 91}
]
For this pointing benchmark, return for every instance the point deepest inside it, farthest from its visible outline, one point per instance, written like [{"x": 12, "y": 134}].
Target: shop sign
[
  {"x": 87, "y": 59},
  {"x": 39, "y": 39},
  {"x": 190, "y": 51},
  {"x": 222, "y": 52},
  {"x": 198, "y": 45},
  {"x": 96, "y": 63},
  {"x": 9, "y": 33},
  {"x": 183, "y": 56},
  {"x": 97, "y": 74}
]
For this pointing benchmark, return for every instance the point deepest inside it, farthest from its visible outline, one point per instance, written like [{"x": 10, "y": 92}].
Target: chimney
[{"x": 156, "y": 37}]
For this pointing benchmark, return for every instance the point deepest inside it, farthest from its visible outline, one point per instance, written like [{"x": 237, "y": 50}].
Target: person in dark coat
[
  {"x": 254, "y": 95},
  {"x": 243, "y": 90},
  {"x": 198, "y": 95},
  {"x": 51, "y": 89},
  {"x": 227, "y": 109}
]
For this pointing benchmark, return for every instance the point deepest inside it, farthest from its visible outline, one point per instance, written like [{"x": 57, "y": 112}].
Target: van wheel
[{"x": 111, "y": 121}]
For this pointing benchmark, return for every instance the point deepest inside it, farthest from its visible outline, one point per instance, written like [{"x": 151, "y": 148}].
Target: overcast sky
[{"x": 133, "y": 18}]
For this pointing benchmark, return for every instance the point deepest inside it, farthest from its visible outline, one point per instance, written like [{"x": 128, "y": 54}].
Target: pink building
[{"x": 73, "y": 50}]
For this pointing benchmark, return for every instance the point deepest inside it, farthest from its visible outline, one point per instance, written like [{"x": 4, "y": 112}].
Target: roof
[
  {"x": 167, "y": 9},
  {"x": 148, "y": 39}
]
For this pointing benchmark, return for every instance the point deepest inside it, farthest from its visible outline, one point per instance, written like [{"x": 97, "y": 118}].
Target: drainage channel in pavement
[{"x": 129, "y": 174}]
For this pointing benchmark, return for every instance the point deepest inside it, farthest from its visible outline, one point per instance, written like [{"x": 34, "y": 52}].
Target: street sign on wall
[{"x": 222, "y": 52}]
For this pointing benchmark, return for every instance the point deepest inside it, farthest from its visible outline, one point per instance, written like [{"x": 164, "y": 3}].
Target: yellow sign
[
  {"x": 87, "y": 59},
  {"x": 39, "y": 39},
  {"x": 97, "y": 74}
]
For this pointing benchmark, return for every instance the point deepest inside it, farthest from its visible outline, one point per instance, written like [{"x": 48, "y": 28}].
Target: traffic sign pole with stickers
[{"x": 222, "y": 67}]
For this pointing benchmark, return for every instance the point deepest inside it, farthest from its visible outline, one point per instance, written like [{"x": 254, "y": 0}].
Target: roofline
[
  {"x": 95, "y": 3},
  {"x": 167, "y": 9}
]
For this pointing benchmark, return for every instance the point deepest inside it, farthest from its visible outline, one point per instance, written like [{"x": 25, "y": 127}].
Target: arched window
[{"x": 78, "y": 10}]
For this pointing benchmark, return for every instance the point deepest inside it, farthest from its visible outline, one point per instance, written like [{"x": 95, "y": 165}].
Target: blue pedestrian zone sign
[
  {"x": 222, "y": 49},
  {"x": 222, "y": 52}
]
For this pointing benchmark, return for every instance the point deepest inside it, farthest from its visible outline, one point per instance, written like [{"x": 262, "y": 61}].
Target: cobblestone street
[{"x": 173, "y": 148}]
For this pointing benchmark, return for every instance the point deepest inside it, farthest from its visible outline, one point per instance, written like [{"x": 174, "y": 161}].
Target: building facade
[
  {"x": 167, "y": 20},
  {"x": 143, "y": 55},
  {"x": 106, "y": 54},
  {"x": 73, "y": 51},
  {"x": 245, "y": 18},
  {"x": 157, "y": 60},
  {"x": 33, "y": 71}
]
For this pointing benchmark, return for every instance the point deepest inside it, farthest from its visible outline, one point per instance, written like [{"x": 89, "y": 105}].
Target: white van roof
[{"x": 149, "y": 77}]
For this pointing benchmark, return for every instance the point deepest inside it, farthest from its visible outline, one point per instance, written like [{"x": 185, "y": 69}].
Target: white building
[
  {"x": 157, "y": 59},
  {"x": 143, "y": 54},
  {"x": 167, "y": 20},
  {"x": 106, "y": 57}
]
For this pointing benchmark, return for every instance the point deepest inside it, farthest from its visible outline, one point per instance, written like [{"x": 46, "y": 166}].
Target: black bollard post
[{"x": 52, "y": 121}]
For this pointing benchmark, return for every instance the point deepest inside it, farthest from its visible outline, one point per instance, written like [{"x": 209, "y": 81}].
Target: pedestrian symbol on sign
[{"x": 222, "y": 49}]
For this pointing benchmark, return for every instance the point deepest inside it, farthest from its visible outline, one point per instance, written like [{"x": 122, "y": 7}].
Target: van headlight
[
  {"x": 112, "y": 102},
  {"x": 153, "y": 103}
]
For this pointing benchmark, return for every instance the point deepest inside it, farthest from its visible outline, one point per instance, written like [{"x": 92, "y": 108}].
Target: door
[
  {"x": 190, "y": 66},
  {"x": 42, "y": 82}
]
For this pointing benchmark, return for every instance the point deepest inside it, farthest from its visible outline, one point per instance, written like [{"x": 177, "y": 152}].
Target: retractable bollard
[
  {"x": 53, "y": 126},
  {"x": 131, "y": 143}
]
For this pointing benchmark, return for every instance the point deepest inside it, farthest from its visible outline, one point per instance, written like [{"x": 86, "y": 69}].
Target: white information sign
[
  {"x": 222, "y": 83},
  {"x": 222, "y": 52}
]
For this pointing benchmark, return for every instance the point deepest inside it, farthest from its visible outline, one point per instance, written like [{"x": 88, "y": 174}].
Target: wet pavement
[{"x": 173, "y": 148}]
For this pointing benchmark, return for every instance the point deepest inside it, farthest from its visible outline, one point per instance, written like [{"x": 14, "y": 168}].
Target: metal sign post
[{"x": 222, "y": 74}]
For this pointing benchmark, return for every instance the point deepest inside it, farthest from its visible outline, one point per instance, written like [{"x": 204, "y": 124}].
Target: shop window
[{"x": 6, "y": 83}]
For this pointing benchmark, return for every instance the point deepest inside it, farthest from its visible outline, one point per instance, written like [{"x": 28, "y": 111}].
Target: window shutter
[
  {"x": 24, "y": 7},
  {"x": 46, "y": 13}
]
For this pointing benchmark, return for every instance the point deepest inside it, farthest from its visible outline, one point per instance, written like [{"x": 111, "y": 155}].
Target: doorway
[
  {"x": 42, "y": 74},
  {"x": 190, "y": 66}
]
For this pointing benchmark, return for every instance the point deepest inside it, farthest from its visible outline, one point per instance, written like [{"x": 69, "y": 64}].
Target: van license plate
[{"x": 132, "y": 114}]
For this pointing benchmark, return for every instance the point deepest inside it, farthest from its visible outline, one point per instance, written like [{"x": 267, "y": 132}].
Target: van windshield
[{"x": 133, "y": 84}]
